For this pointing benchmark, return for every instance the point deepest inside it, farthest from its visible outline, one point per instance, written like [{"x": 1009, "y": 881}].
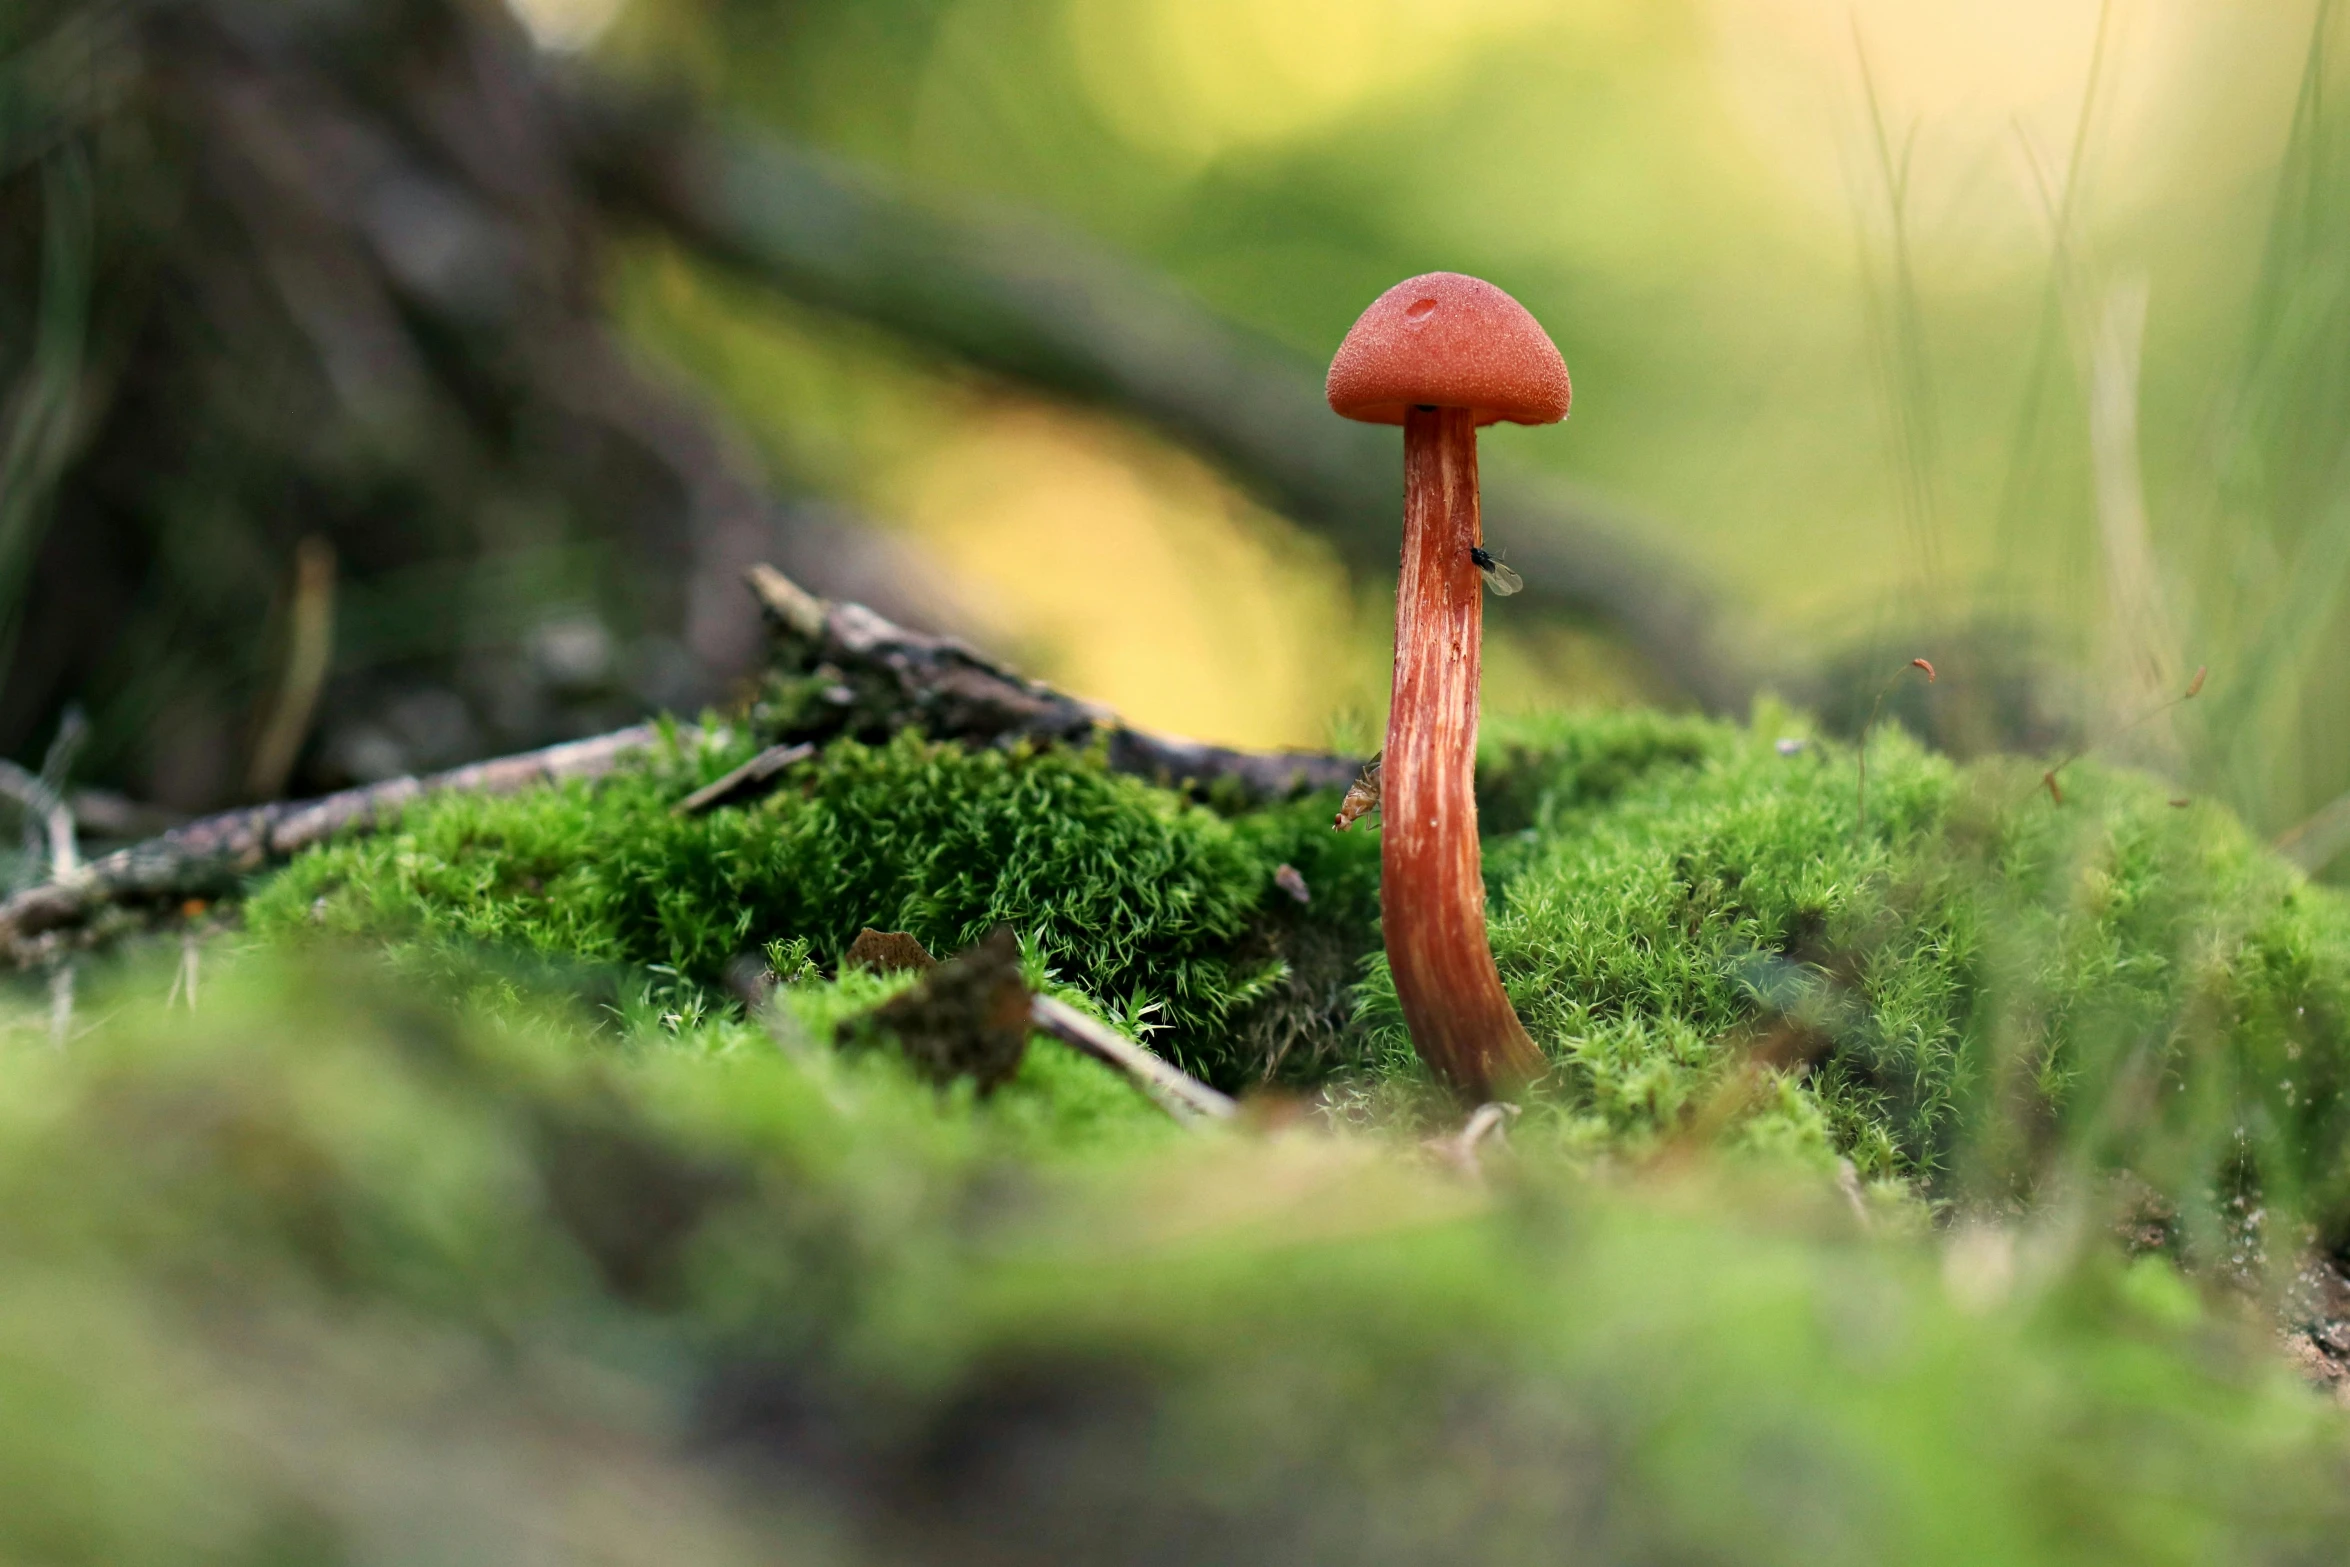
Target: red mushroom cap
[{"x": 1452, "y": 342}]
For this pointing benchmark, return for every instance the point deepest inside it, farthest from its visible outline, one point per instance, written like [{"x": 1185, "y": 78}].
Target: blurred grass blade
[
  {"x": 310, "y": 645},
  {"x": 41, "y": 405},
  {"x": 2319, "y": 841},
  {"x": 2279, "y": 541},
  {"x": 2140, "y": 641},
  {"x": 2292, "y": 631},
  {"x": 1898, "y": 335},
  {"x": 2024, "y": 497}
]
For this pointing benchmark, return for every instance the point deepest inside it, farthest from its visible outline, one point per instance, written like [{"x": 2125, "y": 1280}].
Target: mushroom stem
[{"x": 1432, "y": 882}]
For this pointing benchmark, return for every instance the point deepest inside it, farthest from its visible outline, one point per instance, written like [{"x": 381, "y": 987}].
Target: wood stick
[
  {"x": 29, "y": 791},
  {"x": 211, "y": 856},
  {"x": 753, "y": 778},
  {"x": 892, "y": 678},
  {"x": 1183, "y": 1096},
  {"x": 2320, "y": 840}
]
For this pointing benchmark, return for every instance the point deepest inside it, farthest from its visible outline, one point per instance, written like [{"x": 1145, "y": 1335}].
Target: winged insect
[
  {"x": 1498, "y": 576},
  {"x": 1362, "y": 796}
]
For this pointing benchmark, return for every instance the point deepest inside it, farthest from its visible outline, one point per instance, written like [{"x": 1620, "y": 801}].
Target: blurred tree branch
[
  {"x": 1070, "y": 317},
  {"x": 314, "y": 269}
]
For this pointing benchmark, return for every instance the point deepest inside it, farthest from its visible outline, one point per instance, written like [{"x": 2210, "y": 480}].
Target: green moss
[
  {"x": 1979, "y": 989},
  {"x": 1689, "y": 907},
  {"x": 328, "y": 1271},
  {"x": 1158, "y": 907}
]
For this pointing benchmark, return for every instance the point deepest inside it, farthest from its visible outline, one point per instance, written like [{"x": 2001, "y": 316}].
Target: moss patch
[
  {"x": 1718, "y": 941},
  {"x": 328, "y": 1271},
  {"x": 1156, "y": 906},
  {"x": 1692, "y": 917}
]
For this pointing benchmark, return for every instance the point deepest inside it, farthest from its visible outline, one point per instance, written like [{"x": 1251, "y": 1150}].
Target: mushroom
[{"x": 1441, "y": 355}]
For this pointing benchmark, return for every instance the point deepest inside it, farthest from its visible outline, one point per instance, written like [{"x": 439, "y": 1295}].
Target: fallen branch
[
  {"x": 881, "y": 677},
  {"x": 212, "y": 855},
  {"x": 1181, "y": 1095},
  {"x": 878, "y": 677}
]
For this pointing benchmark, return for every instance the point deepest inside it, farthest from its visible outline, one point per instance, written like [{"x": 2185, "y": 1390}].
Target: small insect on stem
[
  {"x": 1498, "y": 577},
  {"x": 1362, "y": 797}
]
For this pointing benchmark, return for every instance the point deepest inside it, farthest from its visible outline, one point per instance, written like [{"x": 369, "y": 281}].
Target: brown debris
[
  {"x": 2316, "y": 1327},
  {"x": 971, "y": 1017},
  {"x": 887, "y": 677},
  {"x": 968, "y": 1018},
  {"x": 887, "y": 952}
]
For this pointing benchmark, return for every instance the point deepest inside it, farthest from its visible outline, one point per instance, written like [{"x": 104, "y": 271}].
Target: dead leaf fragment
[
  {"x": 968, "y": 1018},
  {"x": 887, "y": 952}
]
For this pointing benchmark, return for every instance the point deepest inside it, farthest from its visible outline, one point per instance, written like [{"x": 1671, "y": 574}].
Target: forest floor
[{"x": 537, "y": 1175}]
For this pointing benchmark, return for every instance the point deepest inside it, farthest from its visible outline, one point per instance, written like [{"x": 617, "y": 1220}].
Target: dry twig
[
  {"x": 1182, "y": 1096},
  {"x": 891, "y": 678},
  {"x": 39, "y": 799},
  {"x": 754, "y": 777},
  {"x": 213, "y": 855},
  {"x": 1460, "y": 1149}
]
